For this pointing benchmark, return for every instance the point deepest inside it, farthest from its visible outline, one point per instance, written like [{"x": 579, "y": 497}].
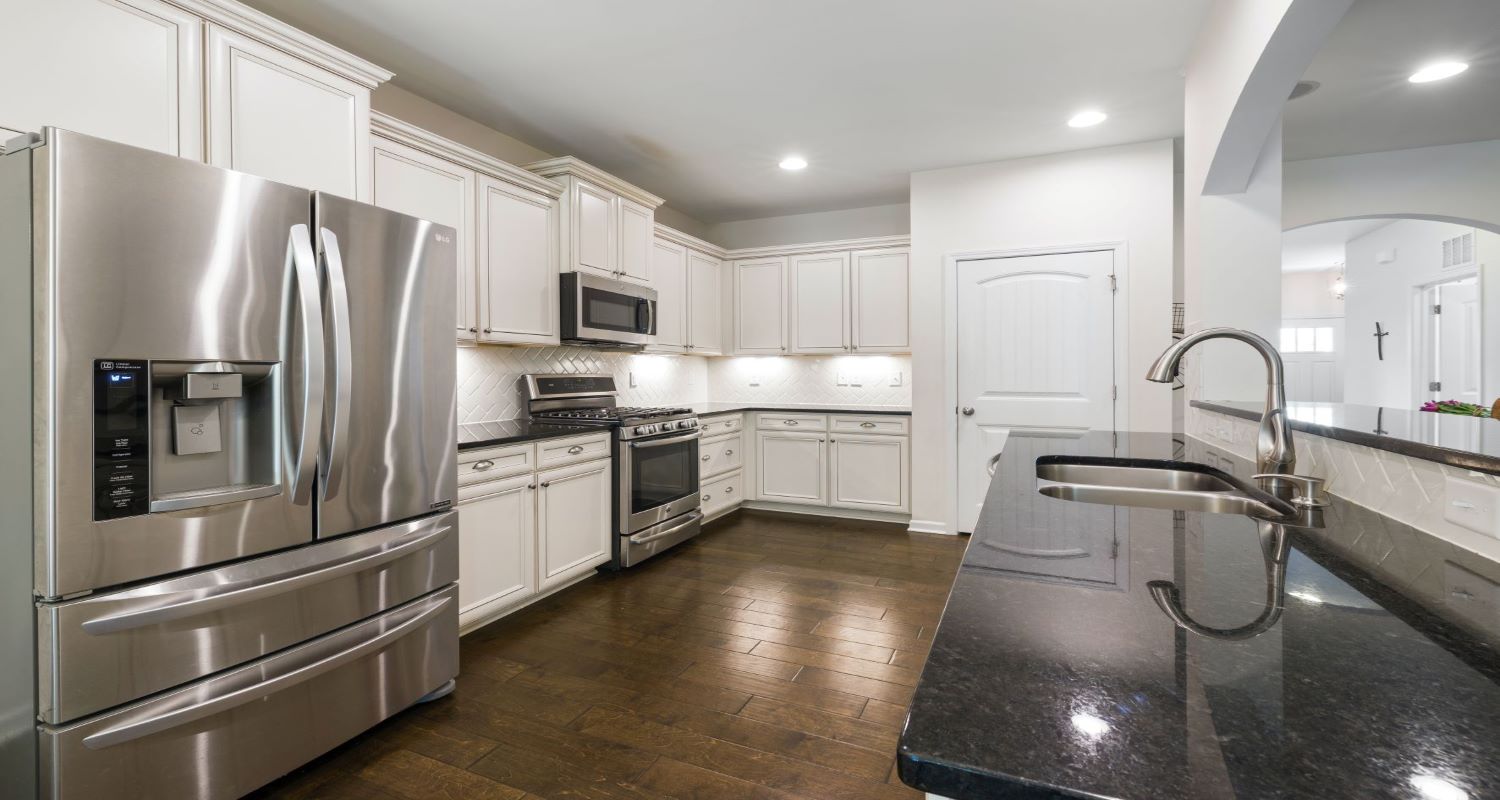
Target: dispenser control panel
[{"x": 122, "y": 410}]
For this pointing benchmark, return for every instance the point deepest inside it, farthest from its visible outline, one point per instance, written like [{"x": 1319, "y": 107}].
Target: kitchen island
[{"x": 1055, "y": 673}]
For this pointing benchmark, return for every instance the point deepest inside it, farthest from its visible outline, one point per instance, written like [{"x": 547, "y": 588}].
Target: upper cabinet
[
  {"x": 507, "y": 224},
  {"x": 705, "y": 304},
  {"x": 821, "y": 299},
  {"x": 670, "y": 266},
  {"x": 879, "y": 300},
  {"x": 607, "y": 224},
  {"x": 686, "y": 275},
  {"x": 760, "y": 306},
  {"x": 126, "y": 70}
]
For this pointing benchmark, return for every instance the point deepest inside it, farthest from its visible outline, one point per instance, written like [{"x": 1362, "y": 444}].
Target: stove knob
[
  {"x": 642, "y": 430},
  {"x": 690, "y": 423}
]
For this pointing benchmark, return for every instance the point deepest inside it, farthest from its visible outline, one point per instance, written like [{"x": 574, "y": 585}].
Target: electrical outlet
[
  {"x": 633, "y": 384},
  {"x": 895, "y": 379}
]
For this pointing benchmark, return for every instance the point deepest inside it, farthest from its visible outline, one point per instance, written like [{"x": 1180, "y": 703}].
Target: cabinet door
[
  {"x": 869, "y": 472},
  {"x": 573, "y": 520},
  {"x": 790, "y": 468},
  {"x": 670, "y": 271},
  {"x": 760, "y": 306},
  {"x": 819, "y": 301},
  {"x": 879, "y": 287},
  {"x": 126, "y": 70},
  {"x": 517, "y": 264},
  {"x": 277, "y": 116},
  {"x": 637, "y": 231},
  {"x": 705, "y": 328},
  {"x": 595, "y": 246},
  {"x": 422, "y": 185},
  {"x": 496, "y": 536}
]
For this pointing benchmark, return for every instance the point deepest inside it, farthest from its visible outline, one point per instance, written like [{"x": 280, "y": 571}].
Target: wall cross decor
[{"x": 1380, "y": 342}]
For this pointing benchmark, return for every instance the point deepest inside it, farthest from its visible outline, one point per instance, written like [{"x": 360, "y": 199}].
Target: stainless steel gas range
[{"x": 656, "y": 460}]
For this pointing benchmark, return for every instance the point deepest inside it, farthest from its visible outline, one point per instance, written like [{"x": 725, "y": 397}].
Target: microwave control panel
[{"x": 122, "y": 410}]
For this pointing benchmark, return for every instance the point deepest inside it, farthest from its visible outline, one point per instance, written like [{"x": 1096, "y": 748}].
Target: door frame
[
  {"x": 1121, "y": 254},
  {"x": 1424, "y": 339}
]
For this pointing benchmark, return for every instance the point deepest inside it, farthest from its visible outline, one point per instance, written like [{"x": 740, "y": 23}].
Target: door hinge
[
  {"x": 1114, "y": 285},
  {"x": 1437, "y": 308},
  {"x": 1114, "y": 552},
  {"x": 1435, "y": 386},
  {"x": 1114, "y": 393}
]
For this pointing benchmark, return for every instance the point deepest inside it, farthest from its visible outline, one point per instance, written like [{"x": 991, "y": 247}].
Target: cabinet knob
[
  {"x": 545, "y": 484},
  {"x": 575, "y": 449},
  {"x": 487, "y": 330},
  {"x": 705, "y": 458},
  {"x": 473, "y": 330},
  {"x": 728, "y": 490},
  {"x": 783, "y": 348},
  {"x": 728, "y": 452},
  {"x": 531, "y": 486},
  {"x": 707, "y": 497}
]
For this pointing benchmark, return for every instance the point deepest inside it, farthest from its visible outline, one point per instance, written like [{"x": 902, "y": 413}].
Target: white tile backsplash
[
  {"x": 835, "y": 380},
  {"x": 489, "y": 378}
]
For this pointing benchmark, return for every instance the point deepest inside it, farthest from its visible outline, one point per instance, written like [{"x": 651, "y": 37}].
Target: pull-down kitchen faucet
[{"x": 1273, "y": 446}]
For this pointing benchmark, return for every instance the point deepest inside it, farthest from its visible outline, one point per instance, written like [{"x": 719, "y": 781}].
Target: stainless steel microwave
[{"x": 602, "y": 311}]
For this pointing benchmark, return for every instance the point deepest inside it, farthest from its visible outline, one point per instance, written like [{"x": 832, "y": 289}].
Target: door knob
[{"x": 968, "y": 411}]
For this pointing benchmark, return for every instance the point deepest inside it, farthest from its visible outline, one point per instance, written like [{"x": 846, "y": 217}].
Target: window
[{"x": 1307, "y": 340}]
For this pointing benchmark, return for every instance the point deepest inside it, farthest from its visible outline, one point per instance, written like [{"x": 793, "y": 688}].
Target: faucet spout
[{"x": 1274, "y": 453}]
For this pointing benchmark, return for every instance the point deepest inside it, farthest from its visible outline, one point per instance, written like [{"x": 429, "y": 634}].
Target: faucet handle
[{"x": 1309, "y": 489}]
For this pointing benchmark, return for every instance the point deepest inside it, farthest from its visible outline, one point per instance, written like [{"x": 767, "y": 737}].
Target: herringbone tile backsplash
[{"x": 489, "y": 378}]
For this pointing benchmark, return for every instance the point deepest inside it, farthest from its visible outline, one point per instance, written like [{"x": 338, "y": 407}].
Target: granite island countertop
[{"x": 1054, "y": 672}]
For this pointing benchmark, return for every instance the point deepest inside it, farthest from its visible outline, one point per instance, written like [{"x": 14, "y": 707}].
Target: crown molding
[
  {"x": 690, "y": 242},
  {"x": 243, "y": 19},
  {"x": 568, "y": 165},
  {"x": 868, "y": 243},
  {"x": 388, "y": 127}
]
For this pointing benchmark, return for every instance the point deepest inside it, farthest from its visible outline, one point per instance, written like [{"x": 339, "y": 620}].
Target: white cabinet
[
  {"x": 869, "y": 472},
  {"x": 637, "y": 231},
  {"x": 277, "y": 116},
  {"x": 791, "y": 467},
  {"x": 670, "y": 271},
  {"x": 594, "y": 229},
  {"x": 517, "y": 265},
  {"x": 819, "y": 302},
  {"x": 126, "y": 70},
  {"x": 705, "y": 304},
  {"x": 573, "y": 521},
  {"x": 760, "y": 306},
  {"x": 414, "y": 182},
  {"x": 879, "y": 289},
  {"x": 496, "y": 535}
]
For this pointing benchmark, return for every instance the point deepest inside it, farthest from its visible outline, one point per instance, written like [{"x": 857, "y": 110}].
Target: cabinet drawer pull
[
  {"x": 481, "y": 466},
  {"x": 705, "y": 458},
  {"x": 866, "y": 424},
  {"x": 789, "y": 422},
  {"x": 575, "y": 449}
]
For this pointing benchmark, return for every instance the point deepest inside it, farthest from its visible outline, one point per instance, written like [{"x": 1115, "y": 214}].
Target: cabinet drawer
[
  {"x": 875, "y": 423},
  {"x": 723, "y": 493},
  {"x": 494, "y": 463},
  {"x": 572, "y": 450},
  {"x": 791, "y": 422},
  {"x": 720, "y": 455},
  {"x": 713, "y": 426}
]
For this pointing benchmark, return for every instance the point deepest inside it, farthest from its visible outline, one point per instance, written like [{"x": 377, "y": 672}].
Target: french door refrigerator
[{"x": 227, "y": 433}]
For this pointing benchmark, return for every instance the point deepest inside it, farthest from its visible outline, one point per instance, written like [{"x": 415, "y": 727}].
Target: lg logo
[{"x": 443, "y": 237}]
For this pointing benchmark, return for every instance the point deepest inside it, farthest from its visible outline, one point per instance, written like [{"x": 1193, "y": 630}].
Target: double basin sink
[{"x": 1177, "y": 485}]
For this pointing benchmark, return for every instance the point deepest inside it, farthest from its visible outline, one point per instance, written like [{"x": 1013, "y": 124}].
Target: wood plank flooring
[{"x": 772, "y": 657}]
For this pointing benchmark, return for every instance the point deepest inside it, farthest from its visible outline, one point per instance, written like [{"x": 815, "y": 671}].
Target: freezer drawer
[
  {"x": 99, "y": 652},
  {"x": 227, "y": 735}
]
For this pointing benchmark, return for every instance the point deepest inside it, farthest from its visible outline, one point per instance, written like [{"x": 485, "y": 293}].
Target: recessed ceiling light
[
  {"x": 793, "y": 163},
  {"x": 1438, "y": 71},
  {"x": 1087, "y": 119}
]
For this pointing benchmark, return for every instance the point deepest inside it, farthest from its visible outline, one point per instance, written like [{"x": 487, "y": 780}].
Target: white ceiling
[
  {"x": 1319, "y": 247},
  {"x": 1366, "y": 105},
  {"x": 697, "y": 100}
]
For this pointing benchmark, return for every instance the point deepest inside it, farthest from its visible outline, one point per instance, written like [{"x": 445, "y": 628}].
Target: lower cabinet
[
  {"x": 791, "y": 467},
  {"x": 496, "y": 536},
  {"x": 573, "y": 520},
  {"x": 811, "y": 459},
  {"x": 869, "y": 472}
]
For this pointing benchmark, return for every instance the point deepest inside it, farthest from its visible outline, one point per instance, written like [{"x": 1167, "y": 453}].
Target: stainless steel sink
[{"x": 1172, "y": 485}]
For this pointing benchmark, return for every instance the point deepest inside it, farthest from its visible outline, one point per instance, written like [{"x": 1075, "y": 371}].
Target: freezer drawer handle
[
  {"x": 336, "y": 449},
  {"x": 131, "y": 731},
  {"x": 301, "y": 265},
  {"x": 194, "y": 602}
]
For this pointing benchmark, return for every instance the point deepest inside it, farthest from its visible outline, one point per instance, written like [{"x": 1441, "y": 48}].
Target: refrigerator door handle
[
  {"x": 192, "y": 603},
  {"x": 336, "y": 451},
  {"x": 416, "y": 616},
  {"x": 302, "y": 267}
]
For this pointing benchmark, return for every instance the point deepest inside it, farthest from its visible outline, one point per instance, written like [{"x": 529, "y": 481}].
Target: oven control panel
[
  {"x": 654, "y": 428},
  {"x": 121, "y": 436}
]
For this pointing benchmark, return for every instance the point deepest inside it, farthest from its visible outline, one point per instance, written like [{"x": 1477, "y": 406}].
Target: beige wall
[{"x": 825, "y": 226}]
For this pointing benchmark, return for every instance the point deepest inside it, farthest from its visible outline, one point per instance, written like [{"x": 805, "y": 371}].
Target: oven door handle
[
  {"x": 693, "y": 518},
  {"x": 641, "y": 445}
]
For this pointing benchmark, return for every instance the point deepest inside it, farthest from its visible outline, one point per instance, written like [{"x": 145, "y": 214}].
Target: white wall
[
  {"x": 1309, "y": 295},
  {"x": 1454, "y": 182},
  {"x": 825, "y": 226},
  {"x": 1109, "y": 194}
]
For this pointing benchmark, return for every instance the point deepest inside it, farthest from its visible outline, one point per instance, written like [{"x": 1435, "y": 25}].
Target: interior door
[
  {"x": 1458, "y": 342},
  {"x": 390, "y": 421},
  {"x": 1312, "y": 352},
  {"x": 1035, "y": 352}
]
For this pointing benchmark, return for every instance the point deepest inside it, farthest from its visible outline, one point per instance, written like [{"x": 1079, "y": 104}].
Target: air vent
[{"x": 1458, "y": 251}]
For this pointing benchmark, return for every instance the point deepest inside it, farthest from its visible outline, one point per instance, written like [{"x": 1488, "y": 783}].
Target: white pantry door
[
  {"x": 1036, "y": 350},
  {"x": 1458, "y": 343}
]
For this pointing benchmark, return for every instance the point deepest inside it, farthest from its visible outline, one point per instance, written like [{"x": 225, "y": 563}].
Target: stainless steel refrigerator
[{"x": 227, "y": 433}]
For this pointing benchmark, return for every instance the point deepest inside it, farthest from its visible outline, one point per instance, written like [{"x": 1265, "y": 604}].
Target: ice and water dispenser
[{"x": 176, "y": 435}]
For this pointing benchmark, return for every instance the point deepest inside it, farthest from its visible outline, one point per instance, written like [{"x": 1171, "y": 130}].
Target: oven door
[
  {"x": 603, "y": 310},
  {"x": 658, "y": 480}
]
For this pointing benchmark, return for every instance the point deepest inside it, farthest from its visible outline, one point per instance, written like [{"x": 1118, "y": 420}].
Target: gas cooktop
[{"x": 610, "y": 415}]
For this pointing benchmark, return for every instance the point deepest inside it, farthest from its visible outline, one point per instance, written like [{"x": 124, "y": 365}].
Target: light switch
[
  {"x": 1472, "y": 505},
  {"x": 895, "y": 379},
  {"x": 632, "y": 379}
]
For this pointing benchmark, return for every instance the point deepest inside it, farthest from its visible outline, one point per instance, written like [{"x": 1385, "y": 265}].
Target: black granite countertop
[
  {"x": 707, "y": 409},
  {"x": 1055, "y": 673},
  {"x": 473, "y": 435},
  {"x": 1459, "y": 441}
]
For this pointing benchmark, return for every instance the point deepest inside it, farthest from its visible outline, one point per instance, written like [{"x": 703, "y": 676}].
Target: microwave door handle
[
  {"x": 301, "y": 268},
  {"x": 650, "y": 316},
  {"x": 336, "y": 450}
]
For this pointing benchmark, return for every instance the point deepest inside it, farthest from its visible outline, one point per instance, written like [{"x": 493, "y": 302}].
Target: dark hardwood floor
[{"x": 771, "y": 657}]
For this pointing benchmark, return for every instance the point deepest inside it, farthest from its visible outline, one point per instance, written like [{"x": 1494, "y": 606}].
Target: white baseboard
[
  {"x": 930, "y": 526},
  {"x": 825, "y": 511},
  {"x": 479, "y": 617}
]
